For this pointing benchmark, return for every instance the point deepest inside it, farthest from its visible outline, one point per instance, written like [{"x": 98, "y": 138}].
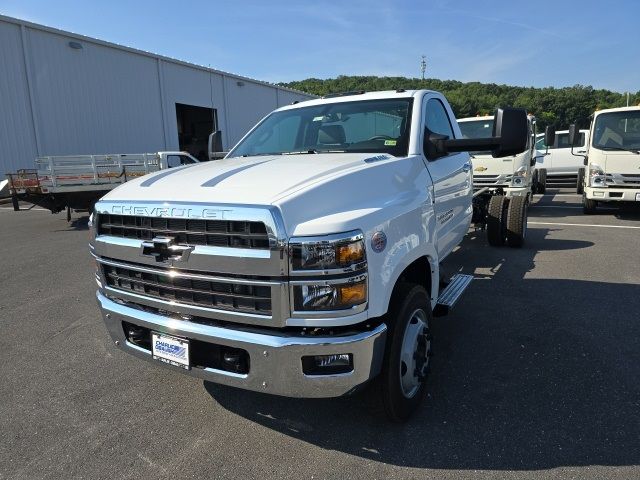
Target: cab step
[{"x": 450, "y": 295}]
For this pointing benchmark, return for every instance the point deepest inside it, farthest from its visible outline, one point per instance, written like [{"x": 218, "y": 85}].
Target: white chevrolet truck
[
  {"x": 612, "y": 161},
  {"x": 305, "y": 263},
  {"x": 507, "y": 184}
]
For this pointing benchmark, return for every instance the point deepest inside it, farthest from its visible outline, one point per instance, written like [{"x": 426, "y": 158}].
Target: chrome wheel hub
[{"x": 415, "y": 353}]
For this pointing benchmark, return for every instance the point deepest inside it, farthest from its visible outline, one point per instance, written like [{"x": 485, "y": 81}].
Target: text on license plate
[{"x": 171, "y": 350}]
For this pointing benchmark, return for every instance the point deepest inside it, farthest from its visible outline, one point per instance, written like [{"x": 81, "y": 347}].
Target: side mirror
[
  {"x": 510, "y": 133},
  {"x": 510, "y": 126},
  {"x": 215, "y": 145},
  {"x": 574, "y": 135},
  {"x": 549, "y": 136}
]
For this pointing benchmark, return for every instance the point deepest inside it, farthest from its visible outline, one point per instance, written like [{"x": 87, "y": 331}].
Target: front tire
[
  {"x": 588, "y": 206},
  {"x": 496, "y": 216},
  {"x": 407, "y": 353},
  {"x": 541, "y": 187},
  {"x": 517, "y": 222},
  {"x": 580, "y": 184}
]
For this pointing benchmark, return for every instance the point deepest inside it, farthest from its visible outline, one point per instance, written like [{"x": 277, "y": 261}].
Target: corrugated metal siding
[
  {"x": 191, "y": 87},
  {"x": 93, "y": 100},
  {"x": 247, "y": 104},
  {"x": 17, "y": 138},
  {"x": 105, "y": 98}
]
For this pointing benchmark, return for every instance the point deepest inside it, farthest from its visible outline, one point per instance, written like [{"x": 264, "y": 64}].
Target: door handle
[{"x": 466, "y": 167}]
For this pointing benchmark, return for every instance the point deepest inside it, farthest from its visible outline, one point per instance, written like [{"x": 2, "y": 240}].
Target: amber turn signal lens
[
  {"x": 353, "y": 294},
  {"x": 350, "y": 253}
]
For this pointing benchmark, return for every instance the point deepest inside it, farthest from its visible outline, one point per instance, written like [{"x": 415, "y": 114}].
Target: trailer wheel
[
  {"x": 402, "y": 382},
  {"x": 517, "y": 221},
  {"x": 588, "y": 206},
  {"x": 541, "y": 187},
  {"x": 496, "y": 215},
  {"x": 580, "y": 184},
  {"x": 14, "y": 202}
]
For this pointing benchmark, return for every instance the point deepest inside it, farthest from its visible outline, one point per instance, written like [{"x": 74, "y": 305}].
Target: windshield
[
  {"x": 477, "y": 128},
  {"x": 617, "y": 131},
  {"x": 376, "y": 126}
]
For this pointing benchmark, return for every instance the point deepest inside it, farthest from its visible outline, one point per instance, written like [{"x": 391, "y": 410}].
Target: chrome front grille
[
  {"x": 491, "y": 180},
  {"x": 186, "y": 289},
  {"x": 624, "y": 179},
  {"x": 217, "y": 233}
]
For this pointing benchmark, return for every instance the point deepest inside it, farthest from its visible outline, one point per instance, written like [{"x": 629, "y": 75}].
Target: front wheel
[
  {"x": 541, "y": 187},
  {"x": 517, "y": 221},
  {"x": 496, "y": 216},
  {"x": 588, "y": 206},
  {"x": 407, "y": 352},
  {"x": 580, "y": 182}
]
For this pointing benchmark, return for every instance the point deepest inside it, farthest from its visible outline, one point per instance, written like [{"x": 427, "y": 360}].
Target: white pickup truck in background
[
  {"x": 561, "y": 163},
  {"x": 306, "y": 263},
  {"x": 78, "y": 181}
]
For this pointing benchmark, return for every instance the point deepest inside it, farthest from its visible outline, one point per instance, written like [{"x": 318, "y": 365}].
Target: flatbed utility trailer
[{"x": 76, "y": 182}]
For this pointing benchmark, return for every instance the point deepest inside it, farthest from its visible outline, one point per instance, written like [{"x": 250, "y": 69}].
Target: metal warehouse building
[{"x": 66, "y": 94}]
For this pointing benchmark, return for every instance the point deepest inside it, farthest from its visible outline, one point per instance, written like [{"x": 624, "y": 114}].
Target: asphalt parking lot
[{"x": 535, "y": 374}]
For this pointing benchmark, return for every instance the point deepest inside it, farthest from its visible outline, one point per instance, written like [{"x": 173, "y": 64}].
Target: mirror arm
[{"x": 470, "y": 144}]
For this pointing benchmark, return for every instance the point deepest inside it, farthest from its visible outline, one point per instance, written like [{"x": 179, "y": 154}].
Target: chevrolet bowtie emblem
[
  {"x": 480, "y": 169},
  {"x": 163, "y": 249}
]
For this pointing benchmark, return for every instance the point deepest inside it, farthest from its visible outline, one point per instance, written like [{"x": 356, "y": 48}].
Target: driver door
[{"x": 451, "y": 176}]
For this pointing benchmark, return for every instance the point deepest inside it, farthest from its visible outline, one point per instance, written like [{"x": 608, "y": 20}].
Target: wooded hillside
[{"x": 552, "y": 106}]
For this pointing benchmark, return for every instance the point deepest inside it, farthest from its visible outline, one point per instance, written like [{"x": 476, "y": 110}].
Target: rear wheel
[
  {"x": 407, "y": 353},
  {"x": 496, "y": 215},
  {"x": 588, "y": 206},
  {"x": 517, "y": 221},
  {"x": 580, "y": 184}
]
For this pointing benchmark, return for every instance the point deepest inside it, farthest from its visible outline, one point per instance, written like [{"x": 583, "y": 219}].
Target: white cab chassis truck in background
[
  {"x": 503, "y": 186},
  {"x": 562, "y": 161},
  {"x": 307, "y": 262},
  {"x": 612, "y": 161},
  {"x": 78, "y": 181}
]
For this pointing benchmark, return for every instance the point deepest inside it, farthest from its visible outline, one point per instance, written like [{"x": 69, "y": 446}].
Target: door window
[
  {"x": 173, "y": 161},
  {"x": 437, "y": 119}
]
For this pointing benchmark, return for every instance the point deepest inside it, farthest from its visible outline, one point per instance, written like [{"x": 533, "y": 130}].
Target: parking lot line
[
  {"x": 26, "y": 209},
  {"x": 583, "y": 225}
]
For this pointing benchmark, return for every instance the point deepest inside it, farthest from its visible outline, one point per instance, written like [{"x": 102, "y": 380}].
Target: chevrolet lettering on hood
[{"x": 172, "y": 212}]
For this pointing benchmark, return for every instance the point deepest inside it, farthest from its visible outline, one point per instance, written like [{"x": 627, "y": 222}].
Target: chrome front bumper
[{"x": 275, "y": 361}]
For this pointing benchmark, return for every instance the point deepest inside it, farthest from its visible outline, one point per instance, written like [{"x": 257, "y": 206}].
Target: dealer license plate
[{"x": 171, "y": 350}]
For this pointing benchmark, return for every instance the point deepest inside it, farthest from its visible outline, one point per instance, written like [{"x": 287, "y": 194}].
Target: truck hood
[
  {"x": 260, "y": 180},
  {"x": 316, "y": 193}
]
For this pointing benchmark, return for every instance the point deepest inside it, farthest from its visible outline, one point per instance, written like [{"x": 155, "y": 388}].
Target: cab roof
[
  {"x": 357, "y": 96},
  {"x": 619, "y": 109}
]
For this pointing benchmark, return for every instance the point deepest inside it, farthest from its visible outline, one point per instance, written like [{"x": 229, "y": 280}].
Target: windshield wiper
[
  {"x": 312, "y": 151},
  {"x": 260, "y": 154},
  {"x": 622, "y": 149}
]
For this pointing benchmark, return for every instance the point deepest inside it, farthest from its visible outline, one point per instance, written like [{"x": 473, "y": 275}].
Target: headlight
[
  {"x": 336, "y": 295},
  {"x": 344, "y": 252},
  {"x": 519, "y": 177},
  {"x": 596, "y": 176}
]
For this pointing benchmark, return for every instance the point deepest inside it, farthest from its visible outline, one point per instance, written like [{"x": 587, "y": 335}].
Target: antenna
[{"x": 423, "y": 65}]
